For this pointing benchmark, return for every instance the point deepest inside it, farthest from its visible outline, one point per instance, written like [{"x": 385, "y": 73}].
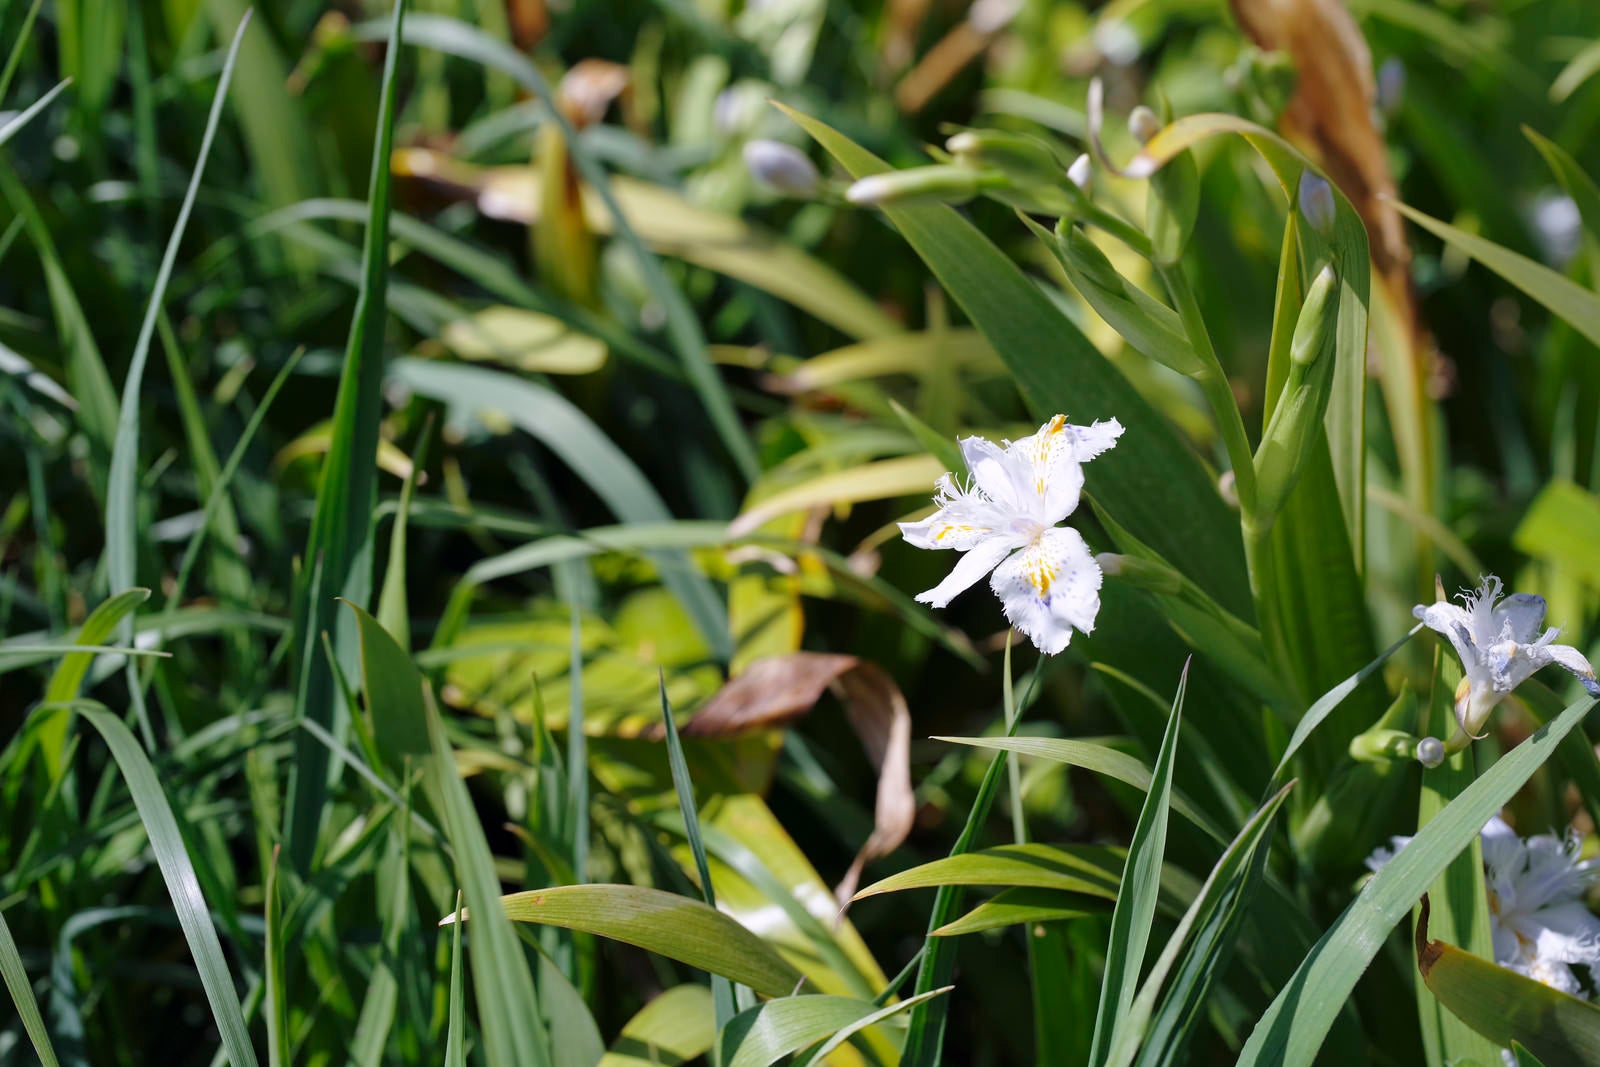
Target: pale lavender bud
[
  {"x": 1430, "y": 752},
  {"x": 781, "y": 166},
  {"x": 1391, "y": 85},
  {"x": 1316, "y": 202}
]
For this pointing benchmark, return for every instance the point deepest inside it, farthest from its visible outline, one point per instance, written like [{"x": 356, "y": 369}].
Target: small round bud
[
  {"x": 1430, "y": 752},
  {"x": 781, "y": 166},
  {"x": 1143, "y": 124},
  {"x": 1391, "y": 85},
  {"x": 1316, "y": 202},
  {"x": 1228, "y": 489},
  {"x": 1080, "y": 172}
]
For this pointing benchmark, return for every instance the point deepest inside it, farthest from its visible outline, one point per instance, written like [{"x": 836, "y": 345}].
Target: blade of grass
[
  {"x": 177, "y": 870},
  {"x": 22, "y": 990},
  {"x": 20, "y": 120},
  {"x": 23, "y": 33},
  {"x": 577, "y": 805},
  {"x": 722, "y": 994},
  {"x": 455, "y": 1043},
  {"x": 276, "y": 1003},
  {"x": 339, "y": 547},
  {"x": 1136, "y": 899}
]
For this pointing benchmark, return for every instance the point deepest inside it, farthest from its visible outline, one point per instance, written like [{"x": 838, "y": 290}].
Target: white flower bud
[
  {"x": 1080, "y": 172},
  {"x": 1316, "y": 202},
  {"x": 781, "y": 166},
  {"x": 1430, "y": 752},
  {"x": 1143, "y": 124}
]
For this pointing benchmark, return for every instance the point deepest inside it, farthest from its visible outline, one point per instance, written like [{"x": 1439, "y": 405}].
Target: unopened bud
[
  {"x": 944, "y": 183},
  {"x": 1430, "y": 752},
  {"x": 1383, "y": 746},
  {"x": 1316, "y": 202},
  {"x": 1391, "y": 85},
  {"x": 1017, "y": 155},
  {"x": 1143, "y": 124},
  {"x": 781, "y": 166},
  {"x": 1315, "y": 323},
  {"x": 1080, "y": 172}
]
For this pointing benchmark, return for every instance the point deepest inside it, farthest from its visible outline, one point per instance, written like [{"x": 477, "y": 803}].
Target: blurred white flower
[
  {"x": 1535, "y": 886},
  {"x": 1557, "y": 227},
  {"x": 1500, "y": 647},
  {"x": 1003, "y": 519}
]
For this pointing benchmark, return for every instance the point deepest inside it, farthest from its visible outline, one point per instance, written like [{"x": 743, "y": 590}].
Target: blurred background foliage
[{"x": 569, "y": 427}]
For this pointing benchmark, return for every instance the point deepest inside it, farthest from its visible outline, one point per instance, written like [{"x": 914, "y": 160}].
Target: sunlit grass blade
[
  {"x": 177, "y": 870},
  {"x": 722, "y": 995},
  {"x": 673, "y": 926},
  {"x": 1011, "y": 907},
  {"x": 67, "y": 679},
  {"x": 339, "y": 547},
  {"x": 21, "y": 990},
  {"x": 1136, "y": 896},
  {"x": 1101, "y": 759},
  {"x": 394, "y": 612},
  {"x": 577, "y": 800},
  {"x": 764, "y": 1035},
  {"x": 1297, "y": 1022},
  {"x": 847, "y": 1032},
  {"x": 20, "y": 120},
  {"x": 673, "y": 1028}
]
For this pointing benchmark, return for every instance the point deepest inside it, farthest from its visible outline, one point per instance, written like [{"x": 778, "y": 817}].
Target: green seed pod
[
  {"x": 1297, "y": 420},
  {"x": 1383, "y": 746},
  {"x": 945, "y": 183}
]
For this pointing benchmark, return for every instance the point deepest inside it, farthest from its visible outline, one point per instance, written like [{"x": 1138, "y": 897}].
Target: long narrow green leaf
[
  {"x": 9, "y": 130},
  {"x": 1558, "y": 293},
  {"x": 178, "y": 871},
  {"x": 1136, "y": 898},
  {"x": 339, "y": 547},
  {"x": 847, "y": 1032},
  {"x": 455, "y": 1042},
  {"x": 665, "y": 923},
  {"x": 765, "y": 1034},
  {"x": 17, "y": 45},
  {"x": 21, "y": 990},
  {"x": 721, "y": 991},
  {"x": 1294, "y": 1026},
  {"x": 673, "y": 1028},
  {"x": 276, "y": 1001},
  {"x": 1217, "y": 910},
  {"x": 68, "y": 677},
  {"x": 122, "y": 535}
]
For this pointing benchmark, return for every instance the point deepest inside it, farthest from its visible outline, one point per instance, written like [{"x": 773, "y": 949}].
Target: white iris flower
[
  {"x": 1004, "y": 518},
  {"x": 1535, "y": 886},
  {"x": 1500, "y": 646}
]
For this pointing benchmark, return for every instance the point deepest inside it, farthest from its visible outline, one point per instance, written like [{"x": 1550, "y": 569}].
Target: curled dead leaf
[{"x": 778, "y": 689}]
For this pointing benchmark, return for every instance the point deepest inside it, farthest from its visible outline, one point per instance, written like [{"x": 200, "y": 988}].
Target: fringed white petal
[
  {"x": 1050, "y": 587},
  {"x": 1454, "y": 623},
  {"x": 969, "y": 569}
]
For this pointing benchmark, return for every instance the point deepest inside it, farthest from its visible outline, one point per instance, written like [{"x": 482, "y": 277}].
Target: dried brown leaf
[{"x": 778, "y": 689}]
